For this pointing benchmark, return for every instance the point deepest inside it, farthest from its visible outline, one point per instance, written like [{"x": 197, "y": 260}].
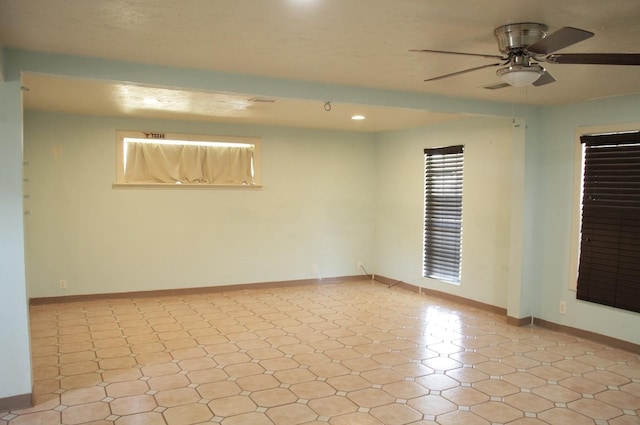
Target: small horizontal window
[{"x": 147, "y": 158}]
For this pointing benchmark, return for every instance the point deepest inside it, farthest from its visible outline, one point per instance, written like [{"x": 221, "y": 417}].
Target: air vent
[{"x": 261, "y": 100}]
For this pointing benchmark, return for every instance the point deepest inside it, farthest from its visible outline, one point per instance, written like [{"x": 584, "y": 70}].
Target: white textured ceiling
[
  {"x": 106, "y": 98},
  {"x": 349, "y": 42}
]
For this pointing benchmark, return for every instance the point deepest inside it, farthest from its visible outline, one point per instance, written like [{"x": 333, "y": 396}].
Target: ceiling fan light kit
[
  {"x": 520, "y": 75},
  {"x": 525, "y": 44}
]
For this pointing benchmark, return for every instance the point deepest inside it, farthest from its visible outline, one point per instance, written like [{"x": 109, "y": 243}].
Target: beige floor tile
[
  {"x": 112, "y": 352},
  {"x": 219, "y": 389},
  {"x": 231, "y": 406},
  {"x": 312, "y": 389},
  {"x": 273, "y": 397},
  {"x": 257, "y": 382},
  {"x": 607, "y": 378},
  {"x": 549, "y": 373},
  {"x": 349, "y": 353},
  {"x": 79, "y": 368},
  {"x": 231, "y": 358},
  {"x": 461, "y": 417},
  {"x": 180, "y": 344},
  {"x": 133, "y": 404},
  {"x": 332, "y": 406},
  {"x": 295, "y": 376},
  {"x": 582, "y": 385},
  {"x": 524, "y": 380},
  {"x": 253, "y": 418},
  {"x": 40, "y": 418},
  {"x": 557, "y": 393},
  {"x": 127, "y": 388},
  {"x": 432, "y": 405},
  {"x": 619, "y": 399},
  {"x": 468, "y": 375},
  {"x": 120, "y": 375},
  {"x": 496, "y": 388},
  {"x": 405, "y": 389},
  {"x": 348, "y": 383},
  {"x": 117, "y": 363},
  {"x": 465, "y": 396},
  {"x": 564, "y": 416},
  {"x": 360, "y": 365},
  {"x": 502, "y": 368},
  {"x": 291, "y": 414},
  {"x": 72, "y": 358},
  {"x": 355, "y": 418},
  {"x": 82, "y": 396},
  {"x": 243, "y": 369},
  {"x": 497, "y": 412},
  {"x": 168, "y": 382},
  {"x": 594, "y": 409},
  {"x": 177, "y": 397},
  {"x": 395, "y": 414},
  {"x": 46, "y": 386},
  {"x": 187, "y": 414},
  {"x": 84, "y": 413},
  {"x": 80, "y": 381},
  {"x": 528, "y": 402},
  {"x": 632, "y": 388},
  {"x": 388, "y": 376},
  {"x": 437, "y": 382},
  {"x": 625, "y": 420}
]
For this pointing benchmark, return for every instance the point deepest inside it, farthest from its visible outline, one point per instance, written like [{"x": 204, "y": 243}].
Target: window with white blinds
[{"x": 443, "y": 213}]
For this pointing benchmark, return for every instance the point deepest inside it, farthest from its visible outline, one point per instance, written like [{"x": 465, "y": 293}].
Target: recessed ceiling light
[
  {"x": 357, "y": 117},
  {"x": 151, "y": 101}
]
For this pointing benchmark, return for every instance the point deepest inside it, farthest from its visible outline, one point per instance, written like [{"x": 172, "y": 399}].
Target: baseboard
[
  {"x": 524, "y": 321},
  {"x": 439, "y": 294},
  {"x": 190, "y": 291},
  {"x": 16, "y": 402},
  {"x": 592, "y": 336}
]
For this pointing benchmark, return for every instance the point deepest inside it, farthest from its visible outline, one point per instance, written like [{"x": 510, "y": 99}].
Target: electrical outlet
[
  {"x": 563, "y": 307},
  {"x": 314, "y": 268},
  {"x": 62, "y": 284},
  {"x": 359, "y": 265}
]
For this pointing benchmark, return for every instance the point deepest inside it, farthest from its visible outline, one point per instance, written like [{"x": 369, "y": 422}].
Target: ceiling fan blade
[
  {"x": 545, "y": 78},
  {"x": 462, "y": 72},
  {"x": 596, "y": 58},
  {"x": 560, "y": 39},
  {"x": 497, "y": 86},
  {"x": 459, "y": 53}
]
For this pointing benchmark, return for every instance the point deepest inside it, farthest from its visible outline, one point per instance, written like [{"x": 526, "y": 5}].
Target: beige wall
[
  {"x": 15, "y": 365},
  {"x": 316, "y": 207},
  {"x": 486, "y": 207}
]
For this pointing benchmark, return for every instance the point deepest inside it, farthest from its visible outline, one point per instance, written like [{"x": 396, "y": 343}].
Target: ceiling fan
[{"x": 525, "y": 45}]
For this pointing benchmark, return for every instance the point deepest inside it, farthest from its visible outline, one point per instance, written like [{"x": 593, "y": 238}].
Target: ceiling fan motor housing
[{"x": 516, "y": 37}]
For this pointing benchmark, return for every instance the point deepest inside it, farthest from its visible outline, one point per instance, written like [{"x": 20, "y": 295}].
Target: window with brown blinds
[
  {"x": 443, "y": 213},
  {"x": 609, "y": 269}
]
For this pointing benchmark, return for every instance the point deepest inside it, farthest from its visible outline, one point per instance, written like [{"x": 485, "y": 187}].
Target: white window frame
[
  {"x": 121, "y": 135},
  {"x": 578, "y": 171}
]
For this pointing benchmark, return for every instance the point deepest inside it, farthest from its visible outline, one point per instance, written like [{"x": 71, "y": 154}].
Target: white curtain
[{"x": 167, "y": 163}]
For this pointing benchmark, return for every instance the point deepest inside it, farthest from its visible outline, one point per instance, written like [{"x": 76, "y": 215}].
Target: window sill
[{"x": 185, "y": 186}]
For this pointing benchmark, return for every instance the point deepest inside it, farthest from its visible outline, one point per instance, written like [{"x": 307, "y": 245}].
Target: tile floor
[{"x": 348, "y": 353}]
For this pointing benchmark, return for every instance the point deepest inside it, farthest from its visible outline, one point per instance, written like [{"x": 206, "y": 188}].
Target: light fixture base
[{"x": 517, "y": 37}]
